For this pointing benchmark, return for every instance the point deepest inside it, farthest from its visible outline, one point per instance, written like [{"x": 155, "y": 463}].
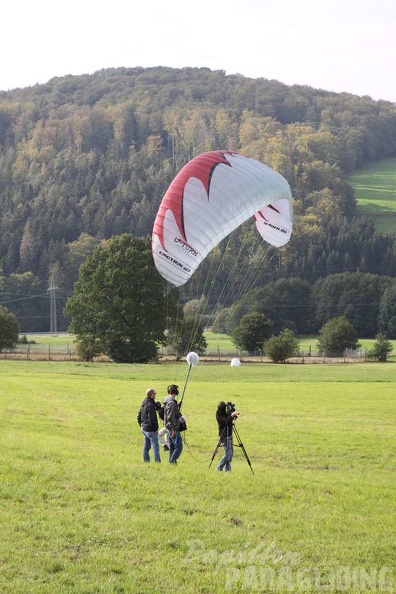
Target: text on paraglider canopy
[
  {"x": 174, "y": 261},
  {"x": 185, "y": 246},
  {"x": 274, "y": 227}
]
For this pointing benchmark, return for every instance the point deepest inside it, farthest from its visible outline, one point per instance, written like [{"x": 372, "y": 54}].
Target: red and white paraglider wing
[
  {"x": 274, "y": 222},
  {"x": 210, "y": 197}
]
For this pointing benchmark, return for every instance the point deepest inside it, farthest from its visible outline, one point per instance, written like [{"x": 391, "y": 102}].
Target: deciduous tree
[
  {"x": 119, "y": 302},
  {"x": 381, "y": 348},
  {"x": 337, "y": 335},
  {"x": 282, "y": 347},
  {"x": 186, "y": 335},
  {"x": 387, "y": 312},
  {"x": 9, "y": 329},
  {"x": 252, "y": 331}
]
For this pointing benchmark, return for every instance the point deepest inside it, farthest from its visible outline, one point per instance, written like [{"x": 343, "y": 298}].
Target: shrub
[{"x": 282, "y": 347}]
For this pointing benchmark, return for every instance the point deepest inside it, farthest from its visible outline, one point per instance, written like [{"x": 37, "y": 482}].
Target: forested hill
[{"x": 86, "y": 157}]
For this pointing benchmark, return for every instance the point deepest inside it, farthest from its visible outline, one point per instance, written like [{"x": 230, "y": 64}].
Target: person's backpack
[
  {"x": 182, "y": 424},
  {"x": 160, "y": 410}
]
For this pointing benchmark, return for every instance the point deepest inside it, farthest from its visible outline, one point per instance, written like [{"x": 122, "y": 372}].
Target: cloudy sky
[{"x": 337, "y": 45}]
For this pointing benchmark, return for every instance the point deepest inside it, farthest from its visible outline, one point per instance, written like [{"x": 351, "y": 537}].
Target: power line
[{"x": 24, "y": 298}]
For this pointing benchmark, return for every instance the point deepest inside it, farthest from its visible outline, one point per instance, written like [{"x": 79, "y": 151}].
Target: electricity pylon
[{"x": 51, "y": 290}]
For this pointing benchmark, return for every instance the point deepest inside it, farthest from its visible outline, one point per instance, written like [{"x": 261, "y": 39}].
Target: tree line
[
  {"x": 85, "y": 158},
  {"x": 120, "y": 308},
  {"x": 367, "y": 301}
]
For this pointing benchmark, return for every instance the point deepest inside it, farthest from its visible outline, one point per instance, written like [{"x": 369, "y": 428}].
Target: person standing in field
[
  {"x": 148, "y": 421},
  {"x": 172, "y": 417},
  {"x": 225, "y": 420}
]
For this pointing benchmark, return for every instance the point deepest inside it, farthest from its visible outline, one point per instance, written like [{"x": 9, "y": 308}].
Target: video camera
[{"x": 230, "y": 407}]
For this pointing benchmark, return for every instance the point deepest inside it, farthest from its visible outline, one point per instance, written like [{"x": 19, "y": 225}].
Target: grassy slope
[
  {"x": 375, "y": 191},
  {"x": 82, "y": 514}
]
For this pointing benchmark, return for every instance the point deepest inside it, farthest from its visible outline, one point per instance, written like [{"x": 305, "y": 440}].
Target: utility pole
[{"x": 51, "y": 290}]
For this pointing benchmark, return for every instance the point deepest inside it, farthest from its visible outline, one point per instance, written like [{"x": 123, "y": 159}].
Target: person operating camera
[{"x": 225, "y": 416}]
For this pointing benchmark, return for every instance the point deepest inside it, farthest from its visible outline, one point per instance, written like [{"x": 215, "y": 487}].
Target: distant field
[
  {"x": 218, "y": 344},
  {"x": 375, "y": 191},
  {"x": 223, "y": 344},
  {"x": 53, "y": 339}
]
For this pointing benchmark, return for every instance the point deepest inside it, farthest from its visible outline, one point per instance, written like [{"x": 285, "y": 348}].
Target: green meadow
[
  {"x": 81, "y": 513},
  {"x": 375, "y": 192}
]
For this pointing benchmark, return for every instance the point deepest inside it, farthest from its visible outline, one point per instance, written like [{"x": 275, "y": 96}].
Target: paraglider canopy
[{"x": 210, "y": 197}]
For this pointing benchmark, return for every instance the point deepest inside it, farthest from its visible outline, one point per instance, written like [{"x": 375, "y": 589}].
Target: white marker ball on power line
[{"x": 192, "y": 359}]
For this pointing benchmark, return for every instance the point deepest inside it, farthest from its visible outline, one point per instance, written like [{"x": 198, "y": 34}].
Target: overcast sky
[{"x": 337, "y": 45}]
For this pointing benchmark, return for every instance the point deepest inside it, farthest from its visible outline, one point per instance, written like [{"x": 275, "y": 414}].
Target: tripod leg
[
  {"x": 215, "y": 452},
  {"x": 217, "y": 447},
  {"x": 240, "y": 445}
]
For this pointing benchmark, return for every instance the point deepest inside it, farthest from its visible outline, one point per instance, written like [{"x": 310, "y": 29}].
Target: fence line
[
  {"x": 68, "y": 352},
  {"x": 41, "y": 352}
]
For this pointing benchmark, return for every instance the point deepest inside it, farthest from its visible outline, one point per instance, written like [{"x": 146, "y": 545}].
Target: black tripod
[{"x": 238, "y": 444}]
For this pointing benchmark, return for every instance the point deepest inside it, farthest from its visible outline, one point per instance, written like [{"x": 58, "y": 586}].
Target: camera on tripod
[
  {"x": 227, "y": 431},
  {"x": 230, "y": 407}
]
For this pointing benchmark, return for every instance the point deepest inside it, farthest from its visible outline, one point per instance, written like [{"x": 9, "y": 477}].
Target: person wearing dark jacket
[
  {"x": 172, "y": 416},
  {"x": 148, "y": 421},
  {"x": 225, "y": 420}
]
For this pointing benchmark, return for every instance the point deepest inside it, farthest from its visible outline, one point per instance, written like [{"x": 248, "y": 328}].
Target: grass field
[
  {"x": 82, "y": 514},
  {"x": 375, "y": 191}
]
